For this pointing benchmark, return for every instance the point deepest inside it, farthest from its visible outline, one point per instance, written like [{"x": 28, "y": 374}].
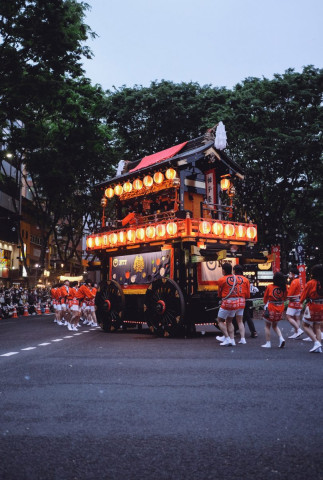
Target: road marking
[
  {"x": 43, "y": 344},
  {"x": 77, "y": 334},
  {"x": 57, "y": 340},
  {"x": 29, "y": 348},
  {"x": 69, "y": 336},
  {"x": 8, "y": 354}
]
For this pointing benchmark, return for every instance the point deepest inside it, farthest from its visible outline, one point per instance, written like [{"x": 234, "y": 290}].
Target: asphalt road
[{"x": 133, "y": 406}]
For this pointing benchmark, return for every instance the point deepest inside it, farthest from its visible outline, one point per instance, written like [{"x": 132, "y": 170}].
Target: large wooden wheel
[
  {"x": 110, "y": 303},
  {"x": 164, "y": 307}
]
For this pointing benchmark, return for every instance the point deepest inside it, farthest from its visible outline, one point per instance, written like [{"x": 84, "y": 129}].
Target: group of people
[
  {"x": 234, "y": 289},
  {"x": 74, "y": 303},
  {"x": 19, "y": 298}
]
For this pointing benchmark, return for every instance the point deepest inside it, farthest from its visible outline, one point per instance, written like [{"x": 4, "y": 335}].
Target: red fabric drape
[{"x": 158, "y": 157}]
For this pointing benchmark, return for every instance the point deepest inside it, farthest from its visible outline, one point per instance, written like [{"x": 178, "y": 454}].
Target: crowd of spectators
[{"x": 18, "y": 297}]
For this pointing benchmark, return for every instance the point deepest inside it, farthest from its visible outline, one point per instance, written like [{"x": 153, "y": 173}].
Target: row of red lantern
[
  {"x": 229, "y": 230},
  {"x": 170, "y": 229},
  {"x": 148, "y": 181},
  {"x": 131, "y": 235}
]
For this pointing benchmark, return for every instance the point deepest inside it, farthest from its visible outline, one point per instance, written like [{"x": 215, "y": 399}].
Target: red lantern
[
  {"x": 229, "y": 230},
  {"x": 118, "y": 190},
  {"x": 137, "y": 184},
  {"x": 131, "y": 235},
  {"x": 171, "y": 228},
  {"x": 109, "y": 192},
  {"x": 148, "y": 181},
  {"x": 161, "y": 230},
  {"x": 140, "y": 233},
  {"x": 225, "y": 184},
  {"x": 127, "y": 187},
  {"x": 241, "y": 231},
  {"x": 251, "y": 232},
  {"x": 170, "y": 174},
  {"x": 150, "y": 232},
  {"x": 205, "y": 227},
  {"x": 158, "y": 178},
  {"x": 217, "y": 228}
]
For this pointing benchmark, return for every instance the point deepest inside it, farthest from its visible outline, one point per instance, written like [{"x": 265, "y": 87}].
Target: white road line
[
  {"x": 77, "y": 334},
  {"x": 69, "y": 336},
  {"x": 86, "y": 331},
  {"x": 43, "y": 344},
  {"x": 57, "y": 340},
  {"x": 8, "y": 354},
  {"x": 29, "y": 348}
]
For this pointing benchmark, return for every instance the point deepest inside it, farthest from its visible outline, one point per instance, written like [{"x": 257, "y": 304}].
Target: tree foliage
[
  {"x": 51, "y": 117},
  {"x": 149, "y": 119}
]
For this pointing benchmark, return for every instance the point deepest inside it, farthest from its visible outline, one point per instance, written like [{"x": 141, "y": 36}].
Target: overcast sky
[{"x": 205, "y": 41}]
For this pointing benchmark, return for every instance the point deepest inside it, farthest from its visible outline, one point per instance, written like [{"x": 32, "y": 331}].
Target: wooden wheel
[
  {"x": 110, "y": 303},
  {"x": 164, "y": 307}
]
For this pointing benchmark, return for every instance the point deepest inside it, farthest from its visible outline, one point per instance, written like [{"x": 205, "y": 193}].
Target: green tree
[
  {"x": 275, "y": 133},
  {"x": 148, "y": 119},
  {"x": 50, "y": 114}
]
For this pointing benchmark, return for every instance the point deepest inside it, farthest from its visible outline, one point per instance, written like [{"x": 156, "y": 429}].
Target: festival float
[{"x": 173, "y": 224}]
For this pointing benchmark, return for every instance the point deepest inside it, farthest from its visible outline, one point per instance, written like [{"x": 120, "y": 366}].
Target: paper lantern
[
  {"x": 137, "y": 184},
  {"x": 225, "y": 184},
  {"x": 170, "y": 174},
  {"x": 127, "y": 187},
  {"x": 89, "y": 242},
  {"x": 217, "y": 228},
  {"x": 229, "y": 230},
  {"x": 148, "y": 181},
  {"x": 131, "y": 235},
  {"x": 140, "y": 233},
  {"x": 205, "y": 227},
  {"x": 122, "y": 237},
  {"x": 109, "y": 192},
  {"x": 118, "y": 190},
  {"x": 241, "y": 231},
  {"x": 171, "y": 228},
  {"x": 105, "y": 240},
  {"x": 150, "y": 232},
  {"x": 97, "y": 241},
  {"x": 251, "y": 232},
  {"x": 160, "y": 230},
  {"x": 158, "y": 178},
  {"x": 113, "y": 238}
]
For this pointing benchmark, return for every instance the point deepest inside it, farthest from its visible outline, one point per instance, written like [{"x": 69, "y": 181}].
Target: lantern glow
[
  {"x": 171, "y": 228},
  {"x": 118, "y": 190},
  {"x": 109, "y": 192},
  {"x": 150, "y": 232},
  {"x": 113, "y": 238},
  {"x": 161, "y": 230},
  {"x": 251, "y": 232},
  {"x": 229, "y": 230},
  {"x": 97, "y": 241},
  {"x": 225, "y": 184},
  {"x": 241, "y": 231},
  {"x": 137, "y": 184},
  {"x": 140, "y": 233},
  {"x": 170, "y": 174},
  {"x": 148, "y": 181},
  {"x": 131, "y": 235},
  {"x": 122, "y": 237},
  {"x": 205, "y": 227},
  {"x": 158, "y": 178},
  {"x": 127, "y": 187},
  {"x": 217, "y": 228}
]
